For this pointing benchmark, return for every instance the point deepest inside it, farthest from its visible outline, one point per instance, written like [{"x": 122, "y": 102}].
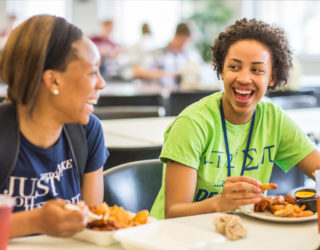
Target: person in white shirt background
[{"x": 178, "y": 57}]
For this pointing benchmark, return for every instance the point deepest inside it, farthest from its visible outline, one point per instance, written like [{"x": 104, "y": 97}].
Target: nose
[
  {"x": 245, "y": 76},
  {"x": 101, "y": 82}
]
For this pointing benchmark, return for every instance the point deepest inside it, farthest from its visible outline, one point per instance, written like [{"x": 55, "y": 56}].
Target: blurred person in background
[
  {"x": 141, "y": 51},
  {"x": 109, "y": 50},
  {"x": 140, "y": 60},
  {"x": 52, "y": 73},
  {"x": 178, "y": 59}
]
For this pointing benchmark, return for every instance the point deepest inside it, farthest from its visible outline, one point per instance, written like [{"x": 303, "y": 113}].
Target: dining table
[
  {"x": 135, "y": 132},
  {"x": 149, "y": 131},
  {"x": 261, "y": 234},
  {"x": 307, "y": 118}
]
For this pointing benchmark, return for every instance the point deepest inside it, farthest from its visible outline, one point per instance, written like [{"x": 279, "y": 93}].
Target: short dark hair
[
  {"x": 183, "y": 29},
  {"x": 145, "y": 28},
  {"x": 41, "y": 42},
  {"x": 107, "y": 22},
  {"x": 271, "y": 36}
]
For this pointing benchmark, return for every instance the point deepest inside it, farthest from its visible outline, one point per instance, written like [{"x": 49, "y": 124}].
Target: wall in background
[
  {"x": 80, "y": 12},
  {"x": 83, "y": 14},
  {"x": 3, "y": 15},
  {"x": 309, "y": 65},
  {"x": 87, "y": 14}
]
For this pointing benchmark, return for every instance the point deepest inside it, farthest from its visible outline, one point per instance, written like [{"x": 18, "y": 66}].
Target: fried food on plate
[
  {"x": 267, "y": 186},
  {"x": 263, "y": 204},
  {"x": 115, "y": 218},
  {"x": 141, "y": 217},
  {"x": 282, "y": 206},
  {"x": 293, "y": 211},
  {"x": 286, "y": 211},
  {"x": 275, "y": 208},
  {"x": 279, "y": 200},
  {"x": 290, "y": 199}
]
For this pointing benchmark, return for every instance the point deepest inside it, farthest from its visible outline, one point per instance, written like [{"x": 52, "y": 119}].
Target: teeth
[
  {"x": 92, "y": 101},
  {"x": 243, "y": 92}
]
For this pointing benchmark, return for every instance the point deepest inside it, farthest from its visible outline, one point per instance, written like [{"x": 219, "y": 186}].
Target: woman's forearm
[
  {"x": 24, "y": 223},
  {"x": 210, "y": 205},
  {"x": 92, "y": 187}
]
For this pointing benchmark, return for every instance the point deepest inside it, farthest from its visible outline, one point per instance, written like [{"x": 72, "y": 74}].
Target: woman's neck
[
  {"x": 39, "y": 129},
  {"x": 234, "y": 117}
]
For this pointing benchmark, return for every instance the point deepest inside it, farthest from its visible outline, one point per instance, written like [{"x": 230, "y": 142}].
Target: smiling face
[
  {"x": 247, "y": 73},
  {"x": 78, "y": 85}
]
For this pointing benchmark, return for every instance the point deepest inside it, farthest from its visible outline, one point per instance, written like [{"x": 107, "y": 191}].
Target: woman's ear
[
  {"x": 221, "y": 75},
  {"x": 272, "y": 82},
  {"x": 50, "y": 81}
]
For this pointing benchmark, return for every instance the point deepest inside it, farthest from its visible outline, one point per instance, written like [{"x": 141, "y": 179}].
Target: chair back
[
  {"x": 133, "y": 185},
  {"x": 124, "y": 112},
  {"x": 289, "y": 99},
  {"x": 130, "y": 100},
  {"x": 120, "y": 155},
  {"x": 295, "y": 102},
  {"x": 130, "y": 106},
  {"x": 178, "y": 101}
]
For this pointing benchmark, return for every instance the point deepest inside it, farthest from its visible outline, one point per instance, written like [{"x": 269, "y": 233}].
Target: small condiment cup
[{"x": 307, "y": 197}]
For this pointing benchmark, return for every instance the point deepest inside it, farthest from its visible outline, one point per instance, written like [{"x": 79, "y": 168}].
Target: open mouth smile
[
  {"x": 243, "y": 95},
  {"x": 92, "y": 101}
]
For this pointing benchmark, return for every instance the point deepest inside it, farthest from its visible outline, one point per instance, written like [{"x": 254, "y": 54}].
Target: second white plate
[
  {"x": 167, "y": 235},
  {"x": 248, "y": 210}
]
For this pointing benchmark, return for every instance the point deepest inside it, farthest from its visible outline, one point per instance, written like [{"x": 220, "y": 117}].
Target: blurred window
[
  {"x": 23, "y": 9},
  {"x": 300, "y": 20},
  {"x": 128, "y": 15}
]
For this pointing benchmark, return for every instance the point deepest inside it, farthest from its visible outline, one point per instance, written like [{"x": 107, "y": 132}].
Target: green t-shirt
[{"x": 196, "y": 139}]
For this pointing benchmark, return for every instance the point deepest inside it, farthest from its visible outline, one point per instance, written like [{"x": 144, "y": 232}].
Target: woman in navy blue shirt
[{"x": 52, "y": 73}]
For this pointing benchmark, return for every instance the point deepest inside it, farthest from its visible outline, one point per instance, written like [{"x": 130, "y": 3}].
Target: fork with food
[{"x": 81, "y": 206}]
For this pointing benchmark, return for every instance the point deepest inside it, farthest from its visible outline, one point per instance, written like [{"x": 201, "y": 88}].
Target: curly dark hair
[{"x": 271, "y": 36}]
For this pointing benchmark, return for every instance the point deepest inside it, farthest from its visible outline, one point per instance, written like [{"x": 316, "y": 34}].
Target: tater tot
[{"x": 141, "y": 217}]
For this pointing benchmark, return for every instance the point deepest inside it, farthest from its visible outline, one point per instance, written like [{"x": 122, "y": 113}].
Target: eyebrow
[{"x": 238, "y": 61}]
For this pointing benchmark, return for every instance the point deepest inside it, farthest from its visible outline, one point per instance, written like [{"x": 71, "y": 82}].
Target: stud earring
[{"x": 55, "y": 92}]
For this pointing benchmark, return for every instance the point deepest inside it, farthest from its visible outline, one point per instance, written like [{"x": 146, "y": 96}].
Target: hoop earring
[{"x": 55, "y": 92}]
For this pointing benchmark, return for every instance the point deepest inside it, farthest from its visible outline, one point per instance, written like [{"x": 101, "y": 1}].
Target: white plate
[
  {"x": 167, "y": 235},
  {"x": 248, "y": 210},
  {"x": 101, "y": 238}
]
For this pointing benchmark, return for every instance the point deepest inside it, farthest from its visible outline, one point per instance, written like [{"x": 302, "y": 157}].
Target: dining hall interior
[{"x": 156, "y": 59}]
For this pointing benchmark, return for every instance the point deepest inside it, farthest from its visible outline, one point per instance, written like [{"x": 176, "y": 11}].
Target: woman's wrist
[
  {"x": 216, "y": 203},
  {"x": 34, "y": 221},
  {"x": 25, "y": 223}
]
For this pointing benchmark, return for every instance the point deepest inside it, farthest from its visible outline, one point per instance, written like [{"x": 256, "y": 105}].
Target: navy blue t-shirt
[{"x": 43, "y": 174}]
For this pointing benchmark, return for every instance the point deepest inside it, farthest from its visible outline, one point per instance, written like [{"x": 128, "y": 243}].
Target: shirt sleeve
[
  {"x": 294, "y": 144},
  {"x": 184, "y": 142},
  {"x": 97, "y": 152}
]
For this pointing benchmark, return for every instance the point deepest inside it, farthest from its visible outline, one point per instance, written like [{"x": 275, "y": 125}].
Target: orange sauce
[{"x": 304, "y": 194}]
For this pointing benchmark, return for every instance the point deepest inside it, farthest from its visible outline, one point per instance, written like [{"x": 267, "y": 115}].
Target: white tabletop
[
  {"x": 140, "y": 132},
  {"x": 135, "y": 132},
  {"x": 308, "y": 119},
  {"x": 261, "y": 235}
]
